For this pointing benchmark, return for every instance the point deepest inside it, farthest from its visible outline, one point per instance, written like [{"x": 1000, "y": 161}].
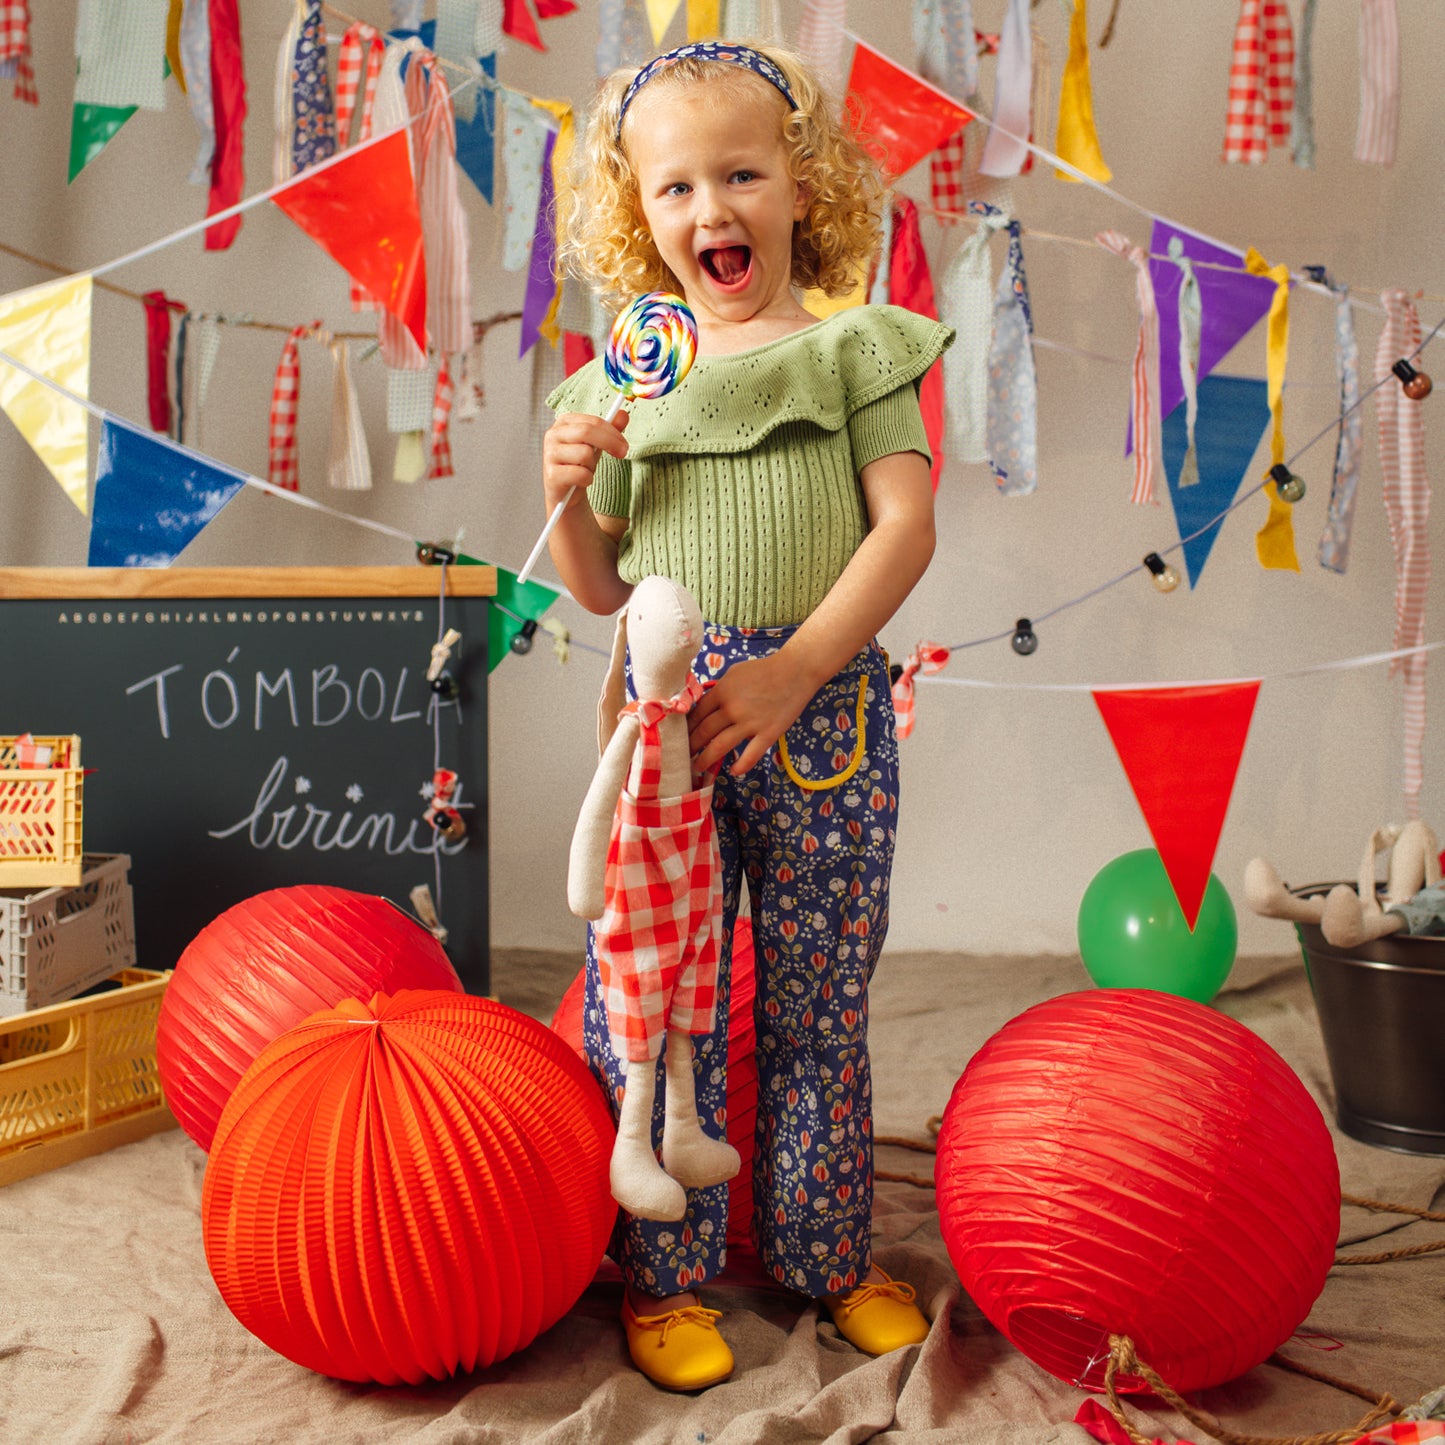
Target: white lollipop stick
[{"x": 613, "y": 408}]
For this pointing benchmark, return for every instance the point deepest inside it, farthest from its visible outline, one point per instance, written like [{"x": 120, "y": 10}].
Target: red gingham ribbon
[
  {"x": 441, "y": 412},
  {"x": 1144, "y": 396},
  {"x": 651, "y": 711},
  {"x": 928, "y": 657},
  {"x": 15, "y": 45},
  {"x": 1261, "y": 82},
  {"x": 282, "y": 469},
  {"x": 362, "y": 50},
  {"x": 945, "y": 173}
]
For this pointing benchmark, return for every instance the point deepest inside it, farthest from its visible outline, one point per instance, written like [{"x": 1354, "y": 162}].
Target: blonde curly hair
[{"x": 606, "y": 243}]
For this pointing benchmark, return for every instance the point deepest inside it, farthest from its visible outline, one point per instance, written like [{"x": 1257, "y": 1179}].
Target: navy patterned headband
[{"x": 719, "y": 50}]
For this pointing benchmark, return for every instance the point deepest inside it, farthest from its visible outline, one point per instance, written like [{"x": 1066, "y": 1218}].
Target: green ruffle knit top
[{"x": 743, "y": 483}]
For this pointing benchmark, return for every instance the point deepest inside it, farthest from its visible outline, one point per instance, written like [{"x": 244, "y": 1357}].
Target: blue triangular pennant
[
  {"x": 476, "y": 138},
  {"x": 152, "y": 497},
  {"x": 1233, "y": 414}
]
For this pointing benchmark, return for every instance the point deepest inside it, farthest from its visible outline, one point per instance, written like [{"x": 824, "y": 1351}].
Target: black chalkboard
[{"x": 253, "y": 728}]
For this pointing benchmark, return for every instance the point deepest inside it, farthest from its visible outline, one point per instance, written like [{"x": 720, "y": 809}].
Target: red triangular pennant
[
  {"x": 897, "y": 115},
  {"x": 362, "y": 211},
  {"x": 517, "y": 22},
  {"x": 1180, "y": 747}
]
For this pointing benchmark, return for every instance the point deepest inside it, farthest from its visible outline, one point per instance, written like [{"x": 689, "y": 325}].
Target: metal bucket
[{"x": 1382, "y": 1013}]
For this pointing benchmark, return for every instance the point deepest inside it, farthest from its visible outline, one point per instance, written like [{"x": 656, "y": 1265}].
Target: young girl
[{"x": 786, "y": 484}]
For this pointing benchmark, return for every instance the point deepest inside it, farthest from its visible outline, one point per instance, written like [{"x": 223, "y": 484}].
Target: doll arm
[{"x": 587, "y": 864}]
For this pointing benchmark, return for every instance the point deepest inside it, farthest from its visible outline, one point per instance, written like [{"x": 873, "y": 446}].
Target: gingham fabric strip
[
  {"x": 1144, "y": 415},
  {"x": 1003, "y": 155},
  {"x": 123, "y": 59},
  {"x": 968, "y": 308},
  {"x": 523, "y": 141},
  {"x": 927, "y": 657},
  {"x": 820, "y": 38},
  {"x": 409, "y": 396},
  {"x": 1302, "y": 120},
  {"x": 15, "y": 48},
  {"x": 195, "y": 43},
  {"x": 440, "y": 462},
  {"x": 1274, "y": 542},
  {"x": 360, "y": 58},
  {"x": 1407, "y": 505},
  {"x": 1191, "y": 329},
  {"x": 1335, "y": 540},
  {"x": 947, "y": 56},
  {"x": 348, "y": 461},
  {"x": 1379, "y": 82},
  {"x": 1261, "y": 82},
  {"x": 1012, "y": 423},
  {"x": 456, "y": 37},
  {"x": 283, "y": 113},
  {"x": 313, "y": 130},
  {"x": 205, "y": 343},
  {"x": 487, "y": 38},
  {"x": 281, "y": 467}
]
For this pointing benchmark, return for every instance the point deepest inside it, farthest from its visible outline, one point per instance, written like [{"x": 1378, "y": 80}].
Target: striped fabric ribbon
[
  {"x": 1407, "y": 505},
  {"x": 820, "y": 38},
  {"x": 348, "y": 461},
  {"x": 1335, "y": 540},
  {"x": 1379, "y": 82},
  {"x": 281, "y": 467},
  {"x": 1261, "y": 82},
  {"x": 1005, "y": 154},
  {"x": 1191, "y": 328},
  {"x": 1144, "y": 418},
  {"x": 927, "y": 657},
  {"x": 358, "y": 67},
  {"x": 1302, "y": 121},
  {"x": 283, "y": 114},
  {"x": 441, "y": 413}
]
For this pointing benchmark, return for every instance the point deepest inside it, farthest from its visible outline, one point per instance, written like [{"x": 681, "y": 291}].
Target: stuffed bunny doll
[
  {"x": 1349, "y": 917},
  {"x": 645, "y": 865}
]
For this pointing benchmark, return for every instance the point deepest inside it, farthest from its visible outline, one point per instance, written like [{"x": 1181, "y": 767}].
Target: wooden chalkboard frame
[{"x": 165, "y": 587}]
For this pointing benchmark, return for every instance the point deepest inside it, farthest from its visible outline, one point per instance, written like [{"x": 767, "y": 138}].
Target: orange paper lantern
[
  {"x": 408, "y": 1188},
  {"x": 1129, "y": 1162},
  {"x": 263, "y": 966}
]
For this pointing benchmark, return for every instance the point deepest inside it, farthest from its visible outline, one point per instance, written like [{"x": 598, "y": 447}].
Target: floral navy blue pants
[{"x": 812, "y": 828}]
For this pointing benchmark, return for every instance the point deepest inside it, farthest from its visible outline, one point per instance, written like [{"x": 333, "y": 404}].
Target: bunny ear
[{"x": 614, "y": 686}]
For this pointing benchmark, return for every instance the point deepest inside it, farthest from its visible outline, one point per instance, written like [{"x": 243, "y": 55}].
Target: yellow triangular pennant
[
  {"x": 659, "y": 17},
  {"x": 561, "y": 171},
  {"x": 703, "y": 19},
  {"x": 47, "y": 328}
]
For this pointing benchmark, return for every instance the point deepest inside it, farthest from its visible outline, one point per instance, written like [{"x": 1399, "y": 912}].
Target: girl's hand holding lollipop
[{"x": 650, "y": 349}]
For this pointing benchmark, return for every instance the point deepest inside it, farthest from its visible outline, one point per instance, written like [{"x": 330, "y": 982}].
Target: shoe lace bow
[{"x": 877, "y": 1289}]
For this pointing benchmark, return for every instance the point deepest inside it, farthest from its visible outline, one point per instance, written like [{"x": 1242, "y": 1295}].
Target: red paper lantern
[
  {"x": 742, "y": 1084},
  {"x": 262, "y": 967},
  {"x": 408, "y": 1188},
  {"x": 1129, "y": 1162}
]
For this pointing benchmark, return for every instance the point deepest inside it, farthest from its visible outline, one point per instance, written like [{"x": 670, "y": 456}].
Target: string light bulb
[
  {"x": 1291, "y": 488},
  {"x": 1025, "y": 641},
  {"x": 1164, "y": 577},
  {"x": 1415, "y": 384}
]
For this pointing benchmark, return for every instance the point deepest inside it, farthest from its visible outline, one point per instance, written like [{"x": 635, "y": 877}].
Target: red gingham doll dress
[{"x": 657, "y": 940}]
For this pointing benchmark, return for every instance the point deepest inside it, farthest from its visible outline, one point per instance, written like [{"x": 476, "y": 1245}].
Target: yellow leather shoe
[
  {"x": 679, "y": 1350},
  {"x": 878, "y": 1316}
]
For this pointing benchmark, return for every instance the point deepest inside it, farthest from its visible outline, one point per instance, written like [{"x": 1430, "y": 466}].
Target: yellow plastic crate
[
  {"x": 41, "y": 816},
  {"x": 80, "y": 1077}
]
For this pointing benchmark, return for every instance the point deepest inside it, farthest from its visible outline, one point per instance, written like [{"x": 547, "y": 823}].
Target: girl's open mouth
[{"x": 728, "y": 265}]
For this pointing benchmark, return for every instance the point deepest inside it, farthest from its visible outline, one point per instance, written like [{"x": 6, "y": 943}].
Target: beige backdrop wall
[{"x": 1012, "y": 800}]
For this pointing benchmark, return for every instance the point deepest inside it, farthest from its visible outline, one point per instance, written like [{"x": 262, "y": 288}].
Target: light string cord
[
  {"x": 1213, "y": 521},
  {"x": 436, "y": 757}
]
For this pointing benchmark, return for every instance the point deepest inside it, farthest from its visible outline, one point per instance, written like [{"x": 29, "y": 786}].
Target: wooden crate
[
  {"x": 57, "y": 942},
  {"x": 40, "y": 816},
  {"x": 80, "y": 1077}
]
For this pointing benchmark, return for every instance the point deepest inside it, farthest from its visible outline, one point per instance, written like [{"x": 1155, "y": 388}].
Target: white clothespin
[
  {"x": 421, "y": 900},
  {"x": 440, "y": 652}
]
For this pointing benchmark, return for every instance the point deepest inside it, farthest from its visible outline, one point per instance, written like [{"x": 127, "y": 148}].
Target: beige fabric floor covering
[{"x": 112, "y": 1331}]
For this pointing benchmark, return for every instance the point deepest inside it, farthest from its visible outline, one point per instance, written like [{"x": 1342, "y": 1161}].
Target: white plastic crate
[{"x": 56, "y": 942}]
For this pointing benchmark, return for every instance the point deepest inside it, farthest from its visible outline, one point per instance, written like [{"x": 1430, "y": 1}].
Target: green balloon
[{"x": 1132, "y": 932}]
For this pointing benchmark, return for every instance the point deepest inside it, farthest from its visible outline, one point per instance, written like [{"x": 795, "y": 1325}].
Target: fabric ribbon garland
[
  {"x": 1407, "y": 505},
  {"x": 15, "y": 49},
  {"x": 968, "y": 302},
  {"x": 358, "y": 66},
  {"x": 927, "y": 657},
  {"x": 1144, "y": 415},
  {"x": 1261, "y": 82},
  {"x": 1274, "y": 542},
  {"x": 1013, "y": 398},
  {"x": 1302, "y": 122},
  {"x": 1335, "y": 540},
  {"x": 910, "y": 285},
  {"x": 158, "y": 308},
  {"x": 313, "y": 134},
  {"x": 1379, "y": 82},
  {"x": 281, "y": 466},
  {"x": 943, "y": 37},
  {"x": 441, "y": 444},
  {"x": 348, "y": 461},
  {"x": 820, "y": 38},
  {"x": 1077, "y": 138},
  {"x": 194, "y": 42},
  {"x": 283, "y": 112},
  {"x": 228, "y": 112},
  {"x": 1191, "y": 329},
  {"x": 1005, "y": 155}
]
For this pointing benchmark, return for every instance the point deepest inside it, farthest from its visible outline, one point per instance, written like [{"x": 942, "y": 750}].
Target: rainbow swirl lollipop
[{"x": 650, "y": 349}]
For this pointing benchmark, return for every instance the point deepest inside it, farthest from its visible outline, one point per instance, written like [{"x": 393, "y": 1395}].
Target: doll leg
[
  {"x": 1413, "y": 861},
  {"x": 1266, "y": 895},
  {"x": 690, "y": 1156},
  {"x": 1378, "y": 842},
  {"x": 1348, "y": 922},
  {"x": 638, "y": 1181}
]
